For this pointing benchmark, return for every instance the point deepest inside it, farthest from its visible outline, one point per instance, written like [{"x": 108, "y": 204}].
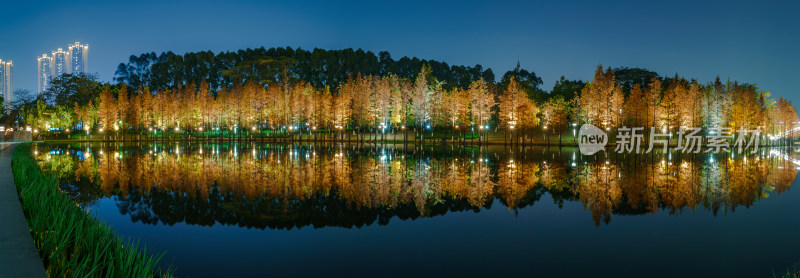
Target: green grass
[
  {"x": 788, "y": 274},
  {"x": 71, "y": 242}
]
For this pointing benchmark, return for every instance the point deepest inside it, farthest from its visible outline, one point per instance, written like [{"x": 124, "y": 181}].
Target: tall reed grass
[{"x": 71, "y": 242}]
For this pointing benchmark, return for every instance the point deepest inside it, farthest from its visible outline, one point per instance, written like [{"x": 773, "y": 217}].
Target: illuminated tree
[
  {"x": 717, "y": 104},
  {"x": 275, "y": 106},
  {"x": 691, "y": 106},
  {"x": 205, "y": 106},
  {"x": 147, "y": 116},
  {"x": 601, "y": 100},
  {"x": 481, "y": 104},
  {"x": 421, "y": 101},
  {"x": 653, "y": 100},
  {"x": 614, "y": 109},
  {"x": 401, "y": 102},
  {"x": 746, "y": 110},
  {"x": 437, "y": 113},
  {"x": 122, "y": 110},
  {"x": 556, "y": 111},
  {"x": 134, "y": 115},
  {"x": 454, "y": 107},
  {"x": 81, "y": 114},
  {"x": 670, "y": 104},
  {"x": 516, "y": 109},
  {"x": 60, "y": 117},
  {"x": 322, "y": 116},
  {"x": 788, "y": 119},
  {"x": 341, "y": 107},
  {"x": 107, "y": 111},
  {"x": 360, "y": 91},
  {"x": 634, "y": 112},
  {"x": 381, "y": 101}
]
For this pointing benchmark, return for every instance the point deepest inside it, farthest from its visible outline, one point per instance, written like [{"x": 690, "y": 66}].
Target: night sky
[{"x": 754, "y": 42}]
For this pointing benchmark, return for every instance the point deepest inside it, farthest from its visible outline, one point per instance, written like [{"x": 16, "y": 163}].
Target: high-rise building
[
  {"x": 71, "y": 61},
  {"x": 44, "y": 68},
  {"x": 79, "y": 58},
  {"x": 5, "y": 83},
  {"x": 60, "y": 62}
]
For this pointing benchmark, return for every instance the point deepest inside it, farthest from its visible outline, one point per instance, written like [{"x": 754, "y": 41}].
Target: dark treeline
[{"x": 319, "y": 67}]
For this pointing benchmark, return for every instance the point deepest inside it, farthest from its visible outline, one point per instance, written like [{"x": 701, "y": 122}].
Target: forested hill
[{"x": 319, "y": 67}]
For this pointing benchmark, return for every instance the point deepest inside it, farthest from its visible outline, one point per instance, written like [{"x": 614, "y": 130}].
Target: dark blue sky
[{"x": 754, "y": 42}]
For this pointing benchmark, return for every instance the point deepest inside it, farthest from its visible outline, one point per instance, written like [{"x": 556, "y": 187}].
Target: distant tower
[
  {"x": 60, "y": 63},
  {"x": 44, "y": 72},
  {"x": 5, "y": 83},
  {"x": 74, "y": 60},
  {"x": 79, "y": 58}
]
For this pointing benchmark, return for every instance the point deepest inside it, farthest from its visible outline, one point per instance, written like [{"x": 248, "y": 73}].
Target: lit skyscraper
[
  {"x": 74, "y": 60},
  {"x": 60, "y": 62},
  {"x": 5, "y": 83},
  {"x": 44, "y": 67},
  {"x": 79, "y": 58}
]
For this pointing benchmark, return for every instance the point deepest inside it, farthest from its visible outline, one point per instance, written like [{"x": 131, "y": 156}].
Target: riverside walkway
[{"x": 18, "y": 254}]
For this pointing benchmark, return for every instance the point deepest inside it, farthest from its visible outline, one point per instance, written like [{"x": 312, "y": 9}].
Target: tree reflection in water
[{"x": 284, "y": 187}]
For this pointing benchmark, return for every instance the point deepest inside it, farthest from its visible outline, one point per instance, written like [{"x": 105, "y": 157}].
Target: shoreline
[
  {"x": 18, "y": 254},
  {"x": 69, "y": 240}
]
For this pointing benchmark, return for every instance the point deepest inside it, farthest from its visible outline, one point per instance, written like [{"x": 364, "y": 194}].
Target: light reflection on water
[{"x": 274, "y": 187}]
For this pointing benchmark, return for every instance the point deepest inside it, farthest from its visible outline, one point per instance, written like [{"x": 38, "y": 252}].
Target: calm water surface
[{"x": 393, "y": 210}]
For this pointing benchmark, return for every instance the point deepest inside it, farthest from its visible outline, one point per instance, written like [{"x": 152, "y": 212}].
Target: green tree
[
  {"x": 567, "y": 89},
  {"x": 528, "y": 81},
  {"x": 628, "y": 77},
  {"x": 70, "y": 88}
]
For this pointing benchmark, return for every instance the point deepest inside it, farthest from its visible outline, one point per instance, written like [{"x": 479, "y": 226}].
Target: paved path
[{"x": 18, "y": 255}]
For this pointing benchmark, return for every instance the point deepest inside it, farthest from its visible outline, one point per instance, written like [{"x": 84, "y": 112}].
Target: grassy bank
[{"x": 71, "y": 242}]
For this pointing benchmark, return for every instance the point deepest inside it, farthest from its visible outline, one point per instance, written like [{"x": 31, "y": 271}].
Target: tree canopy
[{"x": 318, "y": 67}]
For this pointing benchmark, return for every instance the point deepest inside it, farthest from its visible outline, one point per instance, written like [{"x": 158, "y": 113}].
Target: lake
[{"x": 398, "y": 210}]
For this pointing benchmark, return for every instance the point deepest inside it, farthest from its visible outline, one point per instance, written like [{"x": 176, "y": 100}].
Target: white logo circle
[{"x": 591, "y": 139}]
